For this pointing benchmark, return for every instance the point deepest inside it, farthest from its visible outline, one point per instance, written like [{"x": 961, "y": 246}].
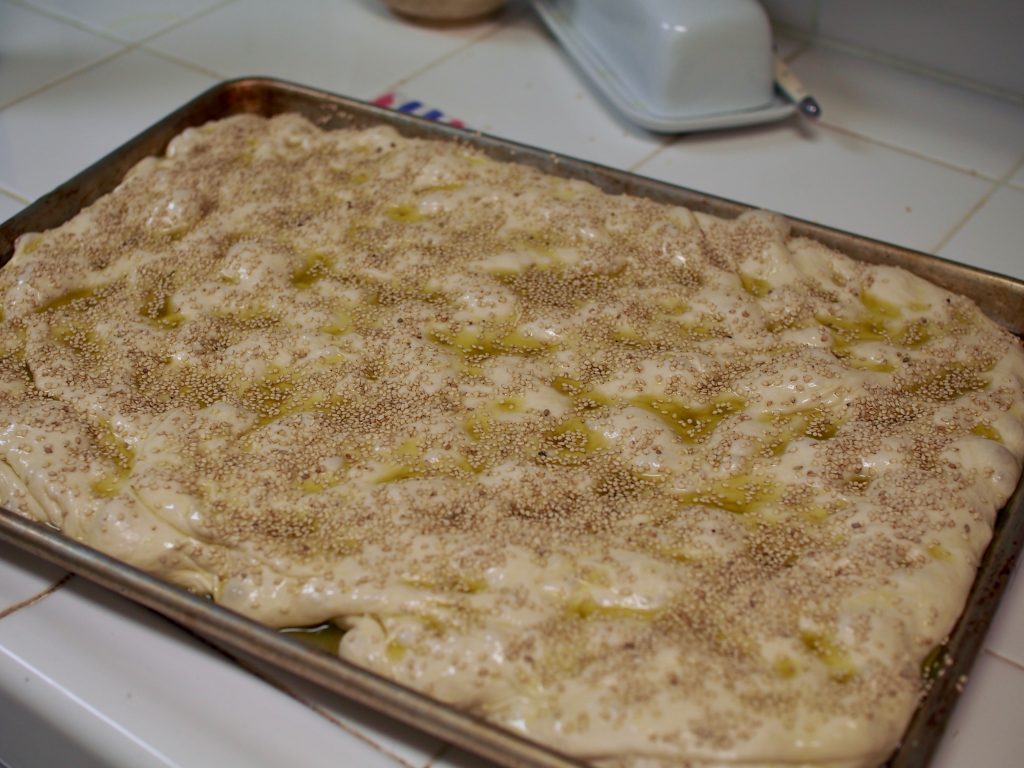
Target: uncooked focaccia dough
[{"x": 648, "y": 485}]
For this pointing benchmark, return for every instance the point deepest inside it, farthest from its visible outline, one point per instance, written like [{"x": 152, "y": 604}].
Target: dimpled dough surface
[{"x": 653, "y": 487}]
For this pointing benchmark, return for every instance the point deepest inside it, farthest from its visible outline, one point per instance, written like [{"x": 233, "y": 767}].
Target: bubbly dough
[{"x": 653, "y": 487}]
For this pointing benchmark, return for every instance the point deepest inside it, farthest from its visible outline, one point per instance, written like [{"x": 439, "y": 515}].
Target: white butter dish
[{"x": 673, "y": 65}]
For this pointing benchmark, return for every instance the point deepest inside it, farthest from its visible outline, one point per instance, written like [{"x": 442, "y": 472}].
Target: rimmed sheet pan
[{"x": 1000, "y": 297}]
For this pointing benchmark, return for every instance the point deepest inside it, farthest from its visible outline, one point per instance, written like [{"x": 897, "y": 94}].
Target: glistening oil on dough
[{"x": 652, "y": 487}]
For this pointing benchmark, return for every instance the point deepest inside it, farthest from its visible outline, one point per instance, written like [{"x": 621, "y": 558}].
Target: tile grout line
[
  {"x": 996, "y": 186},
  {"x": 1011, "y": 662},
  {"x": 126, "y": 48},
  {"x": 65, "y": 77},
  {"x": 962, "y": 221},
  {"x": 814, "y": 38},
  {"x": 500, "y": 25},
  {"x": 283, "y": 688},
  {"x": 144, "y": 44},
  {"x": 37, "y": 597},
  {"x": 910, "y": 152},
  {"x": 110, "y": 36},
  {"x": 662, "y": 146},
  {"x": 69, "y": 20},
  {"x": 191, "y": 65},
  {"x": 141, "y": 42}
]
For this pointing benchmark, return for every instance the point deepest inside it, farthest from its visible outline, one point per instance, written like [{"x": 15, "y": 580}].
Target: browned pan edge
[{"x": 1001, "y": 298}]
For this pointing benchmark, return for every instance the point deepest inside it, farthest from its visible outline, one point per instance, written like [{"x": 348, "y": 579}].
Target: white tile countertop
[{"x": 87, "y": 678}]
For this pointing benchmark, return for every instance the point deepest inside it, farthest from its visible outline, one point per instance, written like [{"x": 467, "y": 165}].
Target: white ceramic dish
[{"x": 673, "y": 65}]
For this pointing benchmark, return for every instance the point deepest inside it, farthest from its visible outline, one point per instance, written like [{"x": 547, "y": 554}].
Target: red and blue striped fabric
[{"x": 401, "y": 103}]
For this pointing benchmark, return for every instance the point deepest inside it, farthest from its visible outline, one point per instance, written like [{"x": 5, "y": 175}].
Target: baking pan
[{"x": 1002, "y": 298}]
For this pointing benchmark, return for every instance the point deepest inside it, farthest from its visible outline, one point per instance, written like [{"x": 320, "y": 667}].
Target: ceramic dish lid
[{"x": 673, "y": 65}]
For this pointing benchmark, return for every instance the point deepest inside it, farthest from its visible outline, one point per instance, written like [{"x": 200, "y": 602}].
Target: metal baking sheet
[{"x": 1002, "y": 298}]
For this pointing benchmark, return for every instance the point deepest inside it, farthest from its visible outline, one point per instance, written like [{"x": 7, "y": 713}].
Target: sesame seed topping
[{"x": 644, "y": 481}]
